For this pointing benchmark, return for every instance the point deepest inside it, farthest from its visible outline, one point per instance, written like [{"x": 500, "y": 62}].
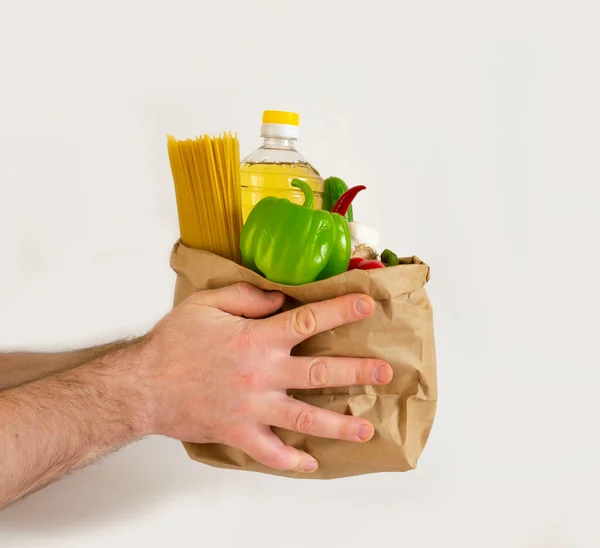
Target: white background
[{"x": 475, "y": 126}]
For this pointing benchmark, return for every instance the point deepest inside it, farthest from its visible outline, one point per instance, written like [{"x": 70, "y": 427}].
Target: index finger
[{"x": 294, "y": 326}]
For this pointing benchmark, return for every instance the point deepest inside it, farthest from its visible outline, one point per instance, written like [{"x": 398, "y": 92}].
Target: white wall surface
[{"x": 475, "y": 126}]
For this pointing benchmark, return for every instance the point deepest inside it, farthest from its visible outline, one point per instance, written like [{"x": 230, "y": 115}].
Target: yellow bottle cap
[{"x": 280, "y": 117}]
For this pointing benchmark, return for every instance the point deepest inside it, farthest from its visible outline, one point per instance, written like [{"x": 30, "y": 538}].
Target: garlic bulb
[
  {"x": 365, "y": 252},
  {"x": 363, "y": 235}
]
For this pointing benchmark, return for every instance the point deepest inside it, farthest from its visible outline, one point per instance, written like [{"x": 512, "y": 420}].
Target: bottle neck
[{"x": 280, "y": 143}]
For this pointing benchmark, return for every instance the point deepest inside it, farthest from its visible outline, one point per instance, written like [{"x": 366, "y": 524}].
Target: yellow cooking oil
[
  {"x": 270, "y": 169},
  {"x": 261, "y": 180}
]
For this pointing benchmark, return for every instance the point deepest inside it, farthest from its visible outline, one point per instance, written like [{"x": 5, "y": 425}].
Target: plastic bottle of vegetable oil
[{"x": 269, "y": 170}]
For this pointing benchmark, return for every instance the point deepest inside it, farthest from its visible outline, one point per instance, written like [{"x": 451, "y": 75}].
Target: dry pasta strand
[{"x": 206, "y": 176}]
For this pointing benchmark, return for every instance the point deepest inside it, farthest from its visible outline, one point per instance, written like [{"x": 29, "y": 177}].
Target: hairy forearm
[
  {"x": 63, "y": 422},
  {"x": 18, "y": 368}
]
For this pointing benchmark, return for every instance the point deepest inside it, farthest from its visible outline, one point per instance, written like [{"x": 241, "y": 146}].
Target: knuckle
[
  {"x": 348, "y": 310},
  {"x": 365, "y": 372},
  {"x": 345, "y": 308},
  {"x": 304, "y": 420},
  {"x": 359, "y": 372},
  {"x": 304, "y": 321},
  {"x": 347, "y": 429},
  {"x": 318, "y": 373}
]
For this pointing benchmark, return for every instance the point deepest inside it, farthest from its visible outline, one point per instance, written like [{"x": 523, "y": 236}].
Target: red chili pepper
[
  {"x": 370, "y": 265},
  {"x": 344, "y": 201},
  {"x": 355, "y": 262}
]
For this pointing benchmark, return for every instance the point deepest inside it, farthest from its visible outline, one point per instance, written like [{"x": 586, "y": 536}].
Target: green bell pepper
[{"x": 293, "y": 244}]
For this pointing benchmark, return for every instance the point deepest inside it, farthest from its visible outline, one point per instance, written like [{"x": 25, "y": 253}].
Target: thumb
[{"x": 242, "y": 300}]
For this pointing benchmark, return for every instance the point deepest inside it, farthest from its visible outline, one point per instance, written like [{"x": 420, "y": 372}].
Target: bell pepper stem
[
  {"x": 309, "y": 195},
  {"x": 345, "y": 200}
]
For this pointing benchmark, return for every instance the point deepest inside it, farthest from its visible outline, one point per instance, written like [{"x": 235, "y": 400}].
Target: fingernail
[
  {"x": 382, "y": 374},
  {"x": 311, "y": 466},
  {"x": 365, "y": 431},
  {"x": 365, "y": 305}
]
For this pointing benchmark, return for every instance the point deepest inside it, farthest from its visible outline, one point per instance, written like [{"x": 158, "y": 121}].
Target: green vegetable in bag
[{"x": 333, "y": 188}]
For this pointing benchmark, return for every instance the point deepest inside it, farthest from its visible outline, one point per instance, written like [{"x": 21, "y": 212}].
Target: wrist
[{"x": 125, "y": 368}]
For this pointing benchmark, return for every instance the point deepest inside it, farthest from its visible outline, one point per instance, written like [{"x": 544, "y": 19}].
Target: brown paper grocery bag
[{"x": 399, "y": 332}]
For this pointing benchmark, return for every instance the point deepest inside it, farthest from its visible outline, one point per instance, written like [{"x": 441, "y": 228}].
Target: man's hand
[
  {"x": 213, "y": 372},
  {"x": 210, "y": 371}
]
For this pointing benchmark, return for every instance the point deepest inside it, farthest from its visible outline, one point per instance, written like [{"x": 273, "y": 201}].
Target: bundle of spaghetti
[{"x": 206, "y": 173}]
